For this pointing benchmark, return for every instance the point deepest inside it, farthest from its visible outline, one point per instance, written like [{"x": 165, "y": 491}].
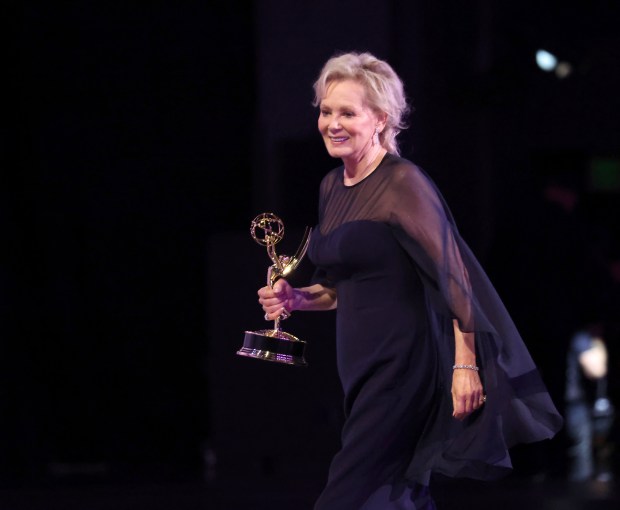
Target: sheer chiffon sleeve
[
  {"x": 518, "y": 408},
  {"x": 429, "y": 235}
]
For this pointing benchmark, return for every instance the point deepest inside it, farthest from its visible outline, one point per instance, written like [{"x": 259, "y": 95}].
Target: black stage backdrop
[{"x": 139, "y": 141}]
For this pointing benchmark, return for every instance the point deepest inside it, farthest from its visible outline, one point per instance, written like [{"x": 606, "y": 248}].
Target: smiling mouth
[{"x": 338, "y": 139}]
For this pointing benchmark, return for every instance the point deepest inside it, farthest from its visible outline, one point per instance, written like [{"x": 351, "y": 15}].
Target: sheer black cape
[{"x": 518, "y": 408}]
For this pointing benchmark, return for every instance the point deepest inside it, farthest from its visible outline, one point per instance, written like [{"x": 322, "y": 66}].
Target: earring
[{"x": 375, "y": 138}]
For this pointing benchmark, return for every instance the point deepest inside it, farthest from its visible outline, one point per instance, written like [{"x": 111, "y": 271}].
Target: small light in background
[
  {"x": 546, "y": 61},
  {"x": 604, "y": 174},
  {"x": 563, "y": 70},
  {"x": 549, "y": 62}
]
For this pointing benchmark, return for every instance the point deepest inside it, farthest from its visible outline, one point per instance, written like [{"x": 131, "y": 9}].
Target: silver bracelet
[{"x": 468, "y": 367}]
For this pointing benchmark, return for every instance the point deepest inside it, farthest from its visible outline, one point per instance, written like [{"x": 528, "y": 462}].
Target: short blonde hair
[{"x": 384, "y": 90}]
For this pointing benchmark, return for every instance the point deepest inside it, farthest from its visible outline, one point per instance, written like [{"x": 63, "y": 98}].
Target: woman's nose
[{"x": 334, "y": 124}]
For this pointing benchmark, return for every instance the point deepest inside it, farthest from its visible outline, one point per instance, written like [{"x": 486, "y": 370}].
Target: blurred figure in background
[{"x": 589, "y": 412}]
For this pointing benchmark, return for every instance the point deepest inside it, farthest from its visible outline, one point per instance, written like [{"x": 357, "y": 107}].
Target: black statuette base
[{"x": 274, "y": 345}]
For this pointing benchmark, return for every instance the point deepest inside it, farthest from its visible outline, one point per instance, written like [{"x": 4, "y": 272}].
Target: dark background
[{"x": 140, "y": 139}]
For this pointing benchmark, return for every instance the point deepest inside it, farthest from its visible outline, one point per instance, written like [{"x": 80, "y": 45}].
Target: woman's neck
[{"x": 356, "y": 171}]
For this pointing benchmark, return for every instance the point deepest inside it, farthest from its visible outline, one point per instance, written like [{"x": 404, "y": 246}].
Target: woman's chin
[{"x": 337, "y": 152}]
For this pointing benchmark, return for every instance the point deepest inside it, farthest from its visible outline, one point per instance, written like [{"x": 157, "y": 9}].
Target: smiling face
[{"x": 346, "y": 122}]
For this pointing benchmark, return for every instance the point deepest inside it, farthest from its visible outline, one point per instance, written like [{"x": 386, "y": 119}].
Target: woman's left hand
[{"x": 467, "y": 393}]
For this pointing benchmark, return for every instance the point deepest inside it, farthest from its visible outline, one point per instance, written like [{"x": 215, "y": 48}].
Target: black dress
[{"x": 402, "y": 274}]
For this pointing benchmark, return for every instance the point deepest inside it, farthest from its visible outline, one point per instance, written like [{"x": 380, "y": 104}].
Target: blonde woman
[{"x": 435, "y": 375}]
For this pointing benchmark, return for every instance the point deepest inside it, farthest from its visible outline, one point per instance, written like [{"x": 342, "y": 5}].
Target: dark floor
[{"x": 289, "y": 491}]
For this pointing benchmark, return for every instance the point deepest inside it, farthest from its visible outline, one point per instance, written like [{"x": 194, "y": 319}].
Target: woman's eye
[
  {"x": 348, "y": 115},
  {"x": 325, "y": 113}
]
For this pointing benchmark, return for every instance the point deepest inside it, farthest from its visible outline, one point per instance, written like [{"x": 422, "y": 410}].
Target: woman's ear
[{"x": 381, "y": 121}]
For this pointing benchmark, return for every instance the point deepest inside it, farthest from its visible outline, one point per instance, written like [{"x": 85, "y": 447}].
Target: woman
[{"x": 435, "y": 376}]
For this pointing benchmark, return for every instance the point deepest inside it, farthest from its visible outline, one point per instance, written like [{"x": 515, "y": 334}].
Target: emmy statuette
[{"x": 274, "y": 344}]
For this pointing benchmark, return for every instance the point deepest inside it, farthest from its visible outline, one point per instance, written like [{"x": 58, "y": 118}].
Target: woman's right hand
[{"x": 277, "y": 300}]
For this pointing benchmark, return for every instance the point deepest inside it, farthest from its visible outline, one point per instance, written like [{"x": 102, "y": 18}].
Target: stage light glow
[
  {"x": 563, "y": 70},
  {"x": 546, "y": 61}
]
